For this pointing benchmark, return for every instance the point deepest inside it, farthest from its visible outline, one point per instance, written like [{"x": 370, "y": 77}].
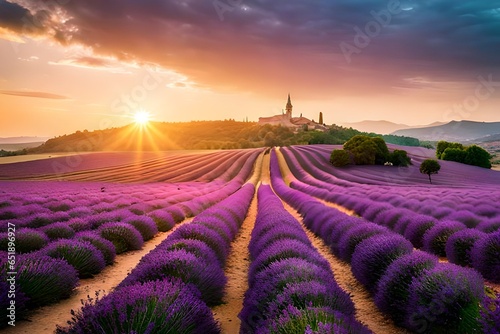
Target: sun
[{"x": 142, "y": 117}]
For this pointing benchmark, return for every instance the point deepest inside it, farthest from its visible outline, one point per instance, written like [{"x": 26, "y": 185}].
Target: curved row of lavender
[
  {"x": 417, "y": 291},
  {"x": 86, "y": 227},
  {"x": 465, "y": 238},
  {"x": 291, "y": 286},
  {"x": 170, "y": 288}
]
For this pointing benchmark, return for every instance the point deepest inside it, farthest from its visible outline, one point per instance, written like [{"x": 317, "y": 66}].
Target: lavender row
[
  {"x": 470, "y": 205},
  {"x": 417, "y": 291},
  {"x": 87, "y": 252},
  {"x": 291, "y": 287},
  {"x": 461, "y": 245},
  {"x": 452, "y": 239},
  {"x": 168, "y": 291}
]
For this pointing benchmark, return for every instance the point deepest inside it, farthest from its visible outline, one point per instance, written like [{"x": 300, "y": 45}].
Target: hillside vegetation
[{"x": 227, "y": 134}]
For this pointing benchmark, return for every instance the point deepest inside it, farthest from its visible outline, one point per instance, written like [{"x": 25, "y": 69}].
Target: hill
[
  {"x": 459, "y": 131},
  {"x": 383, "y": 127},
  {"x": 197, "y": 135},
  {"x": 22, "y": 140}
]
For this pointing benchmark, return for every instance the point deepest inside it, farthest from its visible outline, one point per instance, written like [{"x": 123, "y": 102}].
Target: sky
[{"x": 68, "y": 65}]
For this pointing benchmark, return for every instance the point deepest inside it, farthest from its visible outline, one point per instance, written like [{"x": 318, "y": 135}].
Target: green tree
[
  {"x": 429, "y": 167},
  {"x": 367, "y": 150},
  {"x": 477, "y": 156},
  {"x": 340, "y": 158},
  {"x": 400, "y": 158},
  {"x": 382, "y": 154},
  {"x": 443, "y": 145},
  {"x": 454, "y": 154}
]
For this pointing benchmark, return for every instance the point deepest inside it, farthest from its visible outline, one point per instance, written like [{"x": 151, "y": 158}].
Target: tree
[
  {"x": 454, "y": 154},
  {"x": 477, "y": 156},
  {"x": 400, "y": 158},
  {"x": 430, "y": 166},
  {"x": 340, "y": 158},
  {"x": 443, "y": 145},
  {"x": 367, "y": 150}
]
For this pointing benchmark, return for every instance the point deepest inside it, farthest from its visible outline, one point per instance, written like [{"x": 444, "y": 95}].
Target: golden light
[{"x": 142, "y": 117}]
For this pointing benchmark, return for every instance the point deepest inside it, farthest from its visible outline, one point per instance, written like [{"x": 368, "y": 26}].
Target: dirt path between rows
[
  {"x": 44, "y": 320},
  {"x": 239, "y": 260}
]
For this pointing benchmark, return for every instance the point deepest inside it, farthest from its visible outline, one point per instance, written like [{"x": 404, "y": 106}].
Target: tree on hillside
[
  {"x": 477, "y": 156},
  {"x": 430, "y": 166},
  {"x": 443, "y": 145},
  {"x": 399, "y": 158},
  {"x": 454, "y": 154},
  {"x": 340, "y": 158},
  {"x": 367, "y": 150}
]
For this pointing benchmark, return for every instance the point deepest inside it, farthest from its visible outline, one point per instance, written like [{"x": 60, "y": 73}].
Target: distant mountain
[
  {"x": 383, "y": 127},
  {"x": 461, "y": 131},
  {"x": 23, "y": 140},
  {"x": 15, "y": 147}
]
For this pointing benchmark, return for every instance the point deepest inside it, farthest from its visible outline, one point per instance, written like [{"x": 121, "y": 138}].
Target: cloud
[
  {"x": 42, "y": 95},
  {"x": 273, "y": 47}
]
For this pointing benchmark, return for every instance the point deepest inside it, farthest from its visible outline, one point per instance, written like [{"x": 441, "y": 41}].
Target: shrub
[
  {"x": 124, "y": 237},
  {"x": 454, "y": 154},
  {"x": 209, "y": 278},
  {"x": 393, "y": 288},
  {"x": 468, "y": 218},
  {"x": 489, "y": 226},
  {"x": 445, "y": 299},
  {"x": 44, "y": 280},
  {"x": 282, "y": 249},
  {"x": 79, "y": 224},
  {"x": 435, "y": 238},
  {"x": 416, "y": 228},
  {"x": 373, "y": 255},
  {"x": 197, "y": 247},
  {"x": 106, "y": 247},
  {"x": 145, "y": 225},
  {"x": 340, "y": 158},
  {"x": 353, "y": 237},
  {"x": 203, "y": 233},
  {"x": 27, "y": 240},
  {"x": 399, "y": 158},
  {"x": 486, "y": 256},
  {"x": 164, "y": 220},
  {"x": 459, "y": 246},
  {"x": 39, "y": 220},
  {"x": 20, "y": 299},
  {"x": 490, "y": 315},
  {"x": 155, "y": 307},
  {"x": 278, "y": 232},
  {"x": 82, "y": 255},
  {"x": 58, "y": 231},
  {"x": 295, "y": 320}
]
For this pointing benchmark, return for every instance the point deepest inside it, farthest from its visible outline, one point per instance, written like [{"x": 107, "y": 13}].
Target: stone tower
[{"x": 289, "y": 108}]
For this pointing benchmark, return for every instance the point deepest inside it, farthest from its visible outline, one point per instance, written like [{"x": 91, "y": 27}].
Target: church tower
[{"x": 289, "y": 108}]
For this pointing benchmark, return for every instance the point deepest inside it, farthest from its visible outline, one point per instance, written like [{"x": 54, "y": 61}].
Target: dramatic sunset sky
[{"x": 68, "y": 65}]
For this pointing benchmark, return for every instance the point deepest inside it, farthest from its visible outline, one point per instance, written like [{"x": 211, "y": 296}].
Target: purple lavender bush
[
  {"x": 445, "y": 299},
  {"x": 203, "y": 233},
  {"x": 354, "y": 236},
  {"x": 58, "y": 231},
  {"x": 486, "y": 256},
  {"x": 124, "y": 236},
  {"x": 392, "y": 290},
  {"x": 82, "y": 255},
  {"x": 435, "y": 238},
  {"x": 7, "y": 310},
  {"x": 106, "y": 247},
  {"x": 467, "y": 218},
  {"x": 417, "y": 226},
  {"x": 197, "y": 247},
  {"x": 489, "y": 225},
  {"x": 27, "y": 240},
  {"x": 79, "y": 224},
  {"x": 373, "y": 255},
  {"x": 459, "y": 246},
  {"x": 164, "y": 220},
  {"x": 145, "y": 225},
  {"x": 209, "y": 278},
  {"x": 154, "y": 307},
  {"x": 42, "y": 279},
  {"x": 490, "y": 315},
  {"x": 295, "y": 320}
]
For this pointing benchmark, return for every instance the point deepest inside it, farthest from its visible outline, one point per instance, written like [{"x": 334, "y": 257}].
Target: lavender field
[{"x": 249, "y": 241}]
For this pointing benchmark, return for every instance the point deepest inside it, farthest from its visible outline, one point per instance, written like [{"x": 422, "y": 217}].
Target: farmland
[{"x": 250, "y": 241}]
